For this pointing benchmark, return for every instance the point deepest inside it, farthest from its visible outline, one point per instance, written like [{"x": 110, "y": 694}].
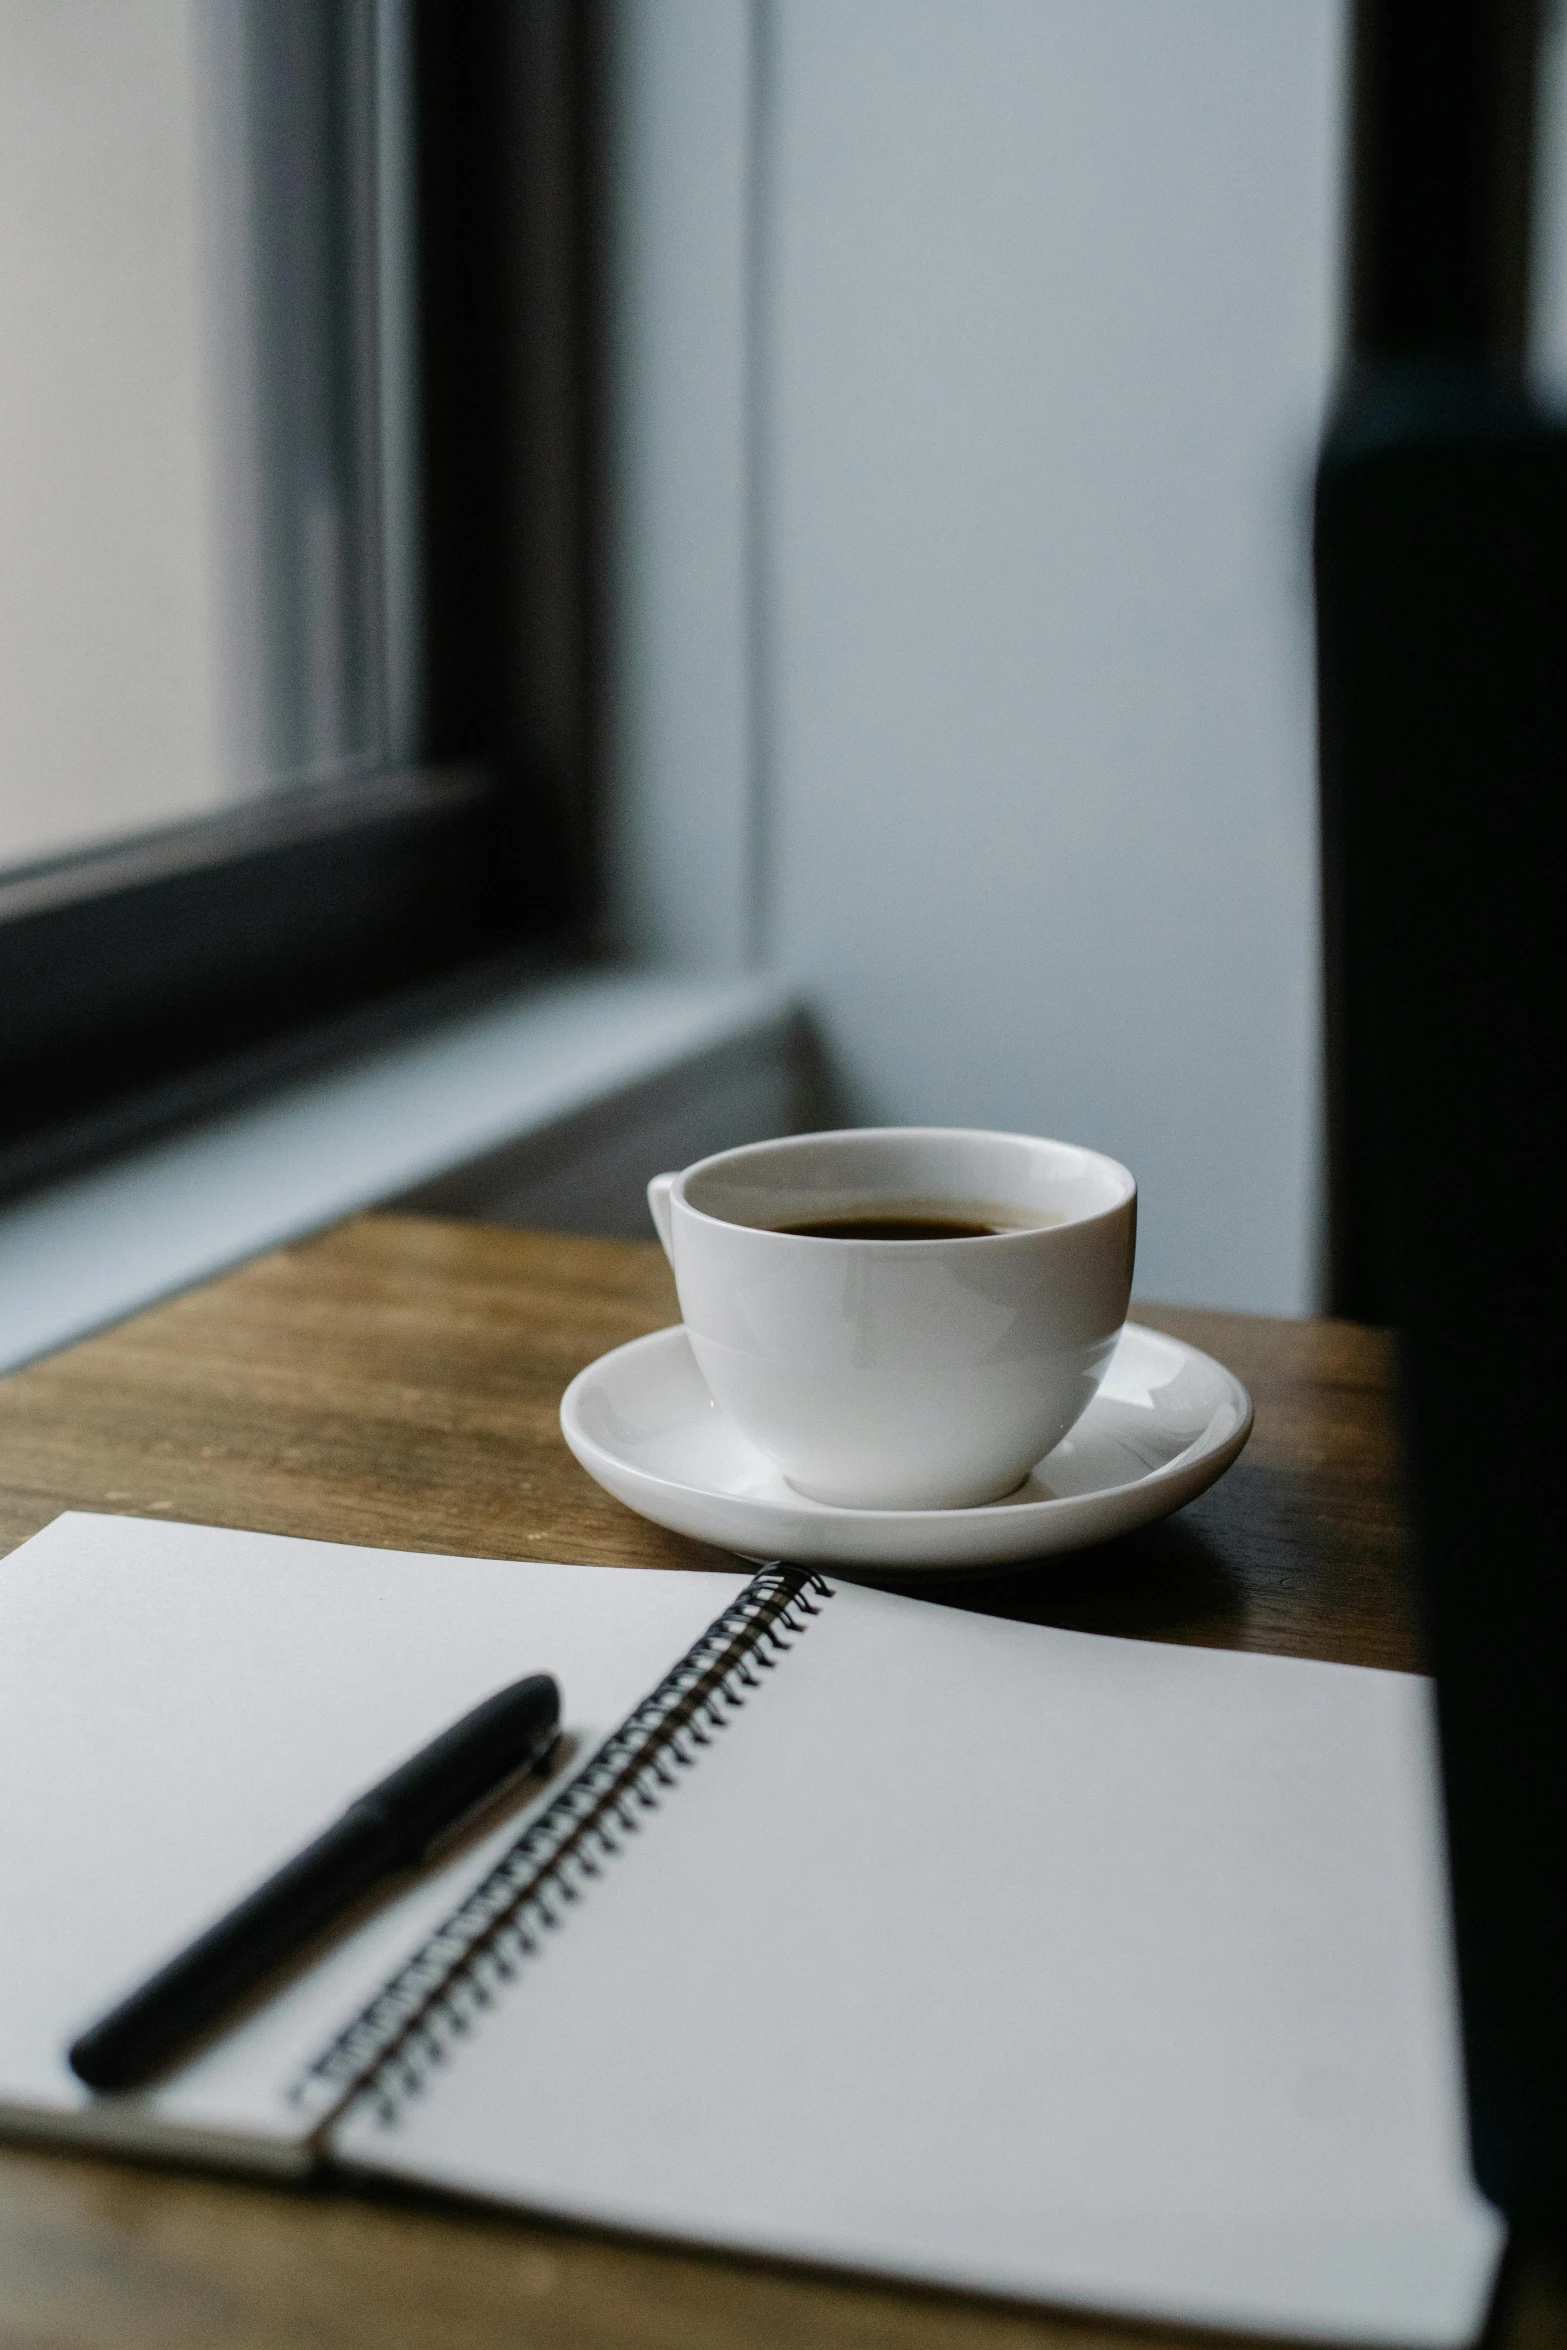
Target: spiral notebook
[{"x": 850, "y": 1928}]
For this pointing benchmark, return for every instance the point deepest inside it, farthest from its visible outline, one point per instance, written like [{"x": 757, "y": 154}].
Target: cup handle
[{"x": 659, "y": 1199}]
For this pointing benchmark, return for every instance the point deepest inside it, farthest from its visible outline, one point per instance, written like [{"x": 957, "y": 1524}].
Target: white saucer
[{"x": 1165, "y": 1423}]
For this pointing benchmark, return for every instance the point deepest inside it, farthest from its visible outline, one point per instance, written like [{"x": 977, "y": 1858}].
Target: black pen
[{"x": 423, "y": 1802}]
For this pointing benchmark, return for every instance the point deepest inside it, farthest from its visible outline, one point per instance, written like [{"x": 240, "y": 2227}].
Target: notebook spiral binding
[{"x": 389, "y": 2050}]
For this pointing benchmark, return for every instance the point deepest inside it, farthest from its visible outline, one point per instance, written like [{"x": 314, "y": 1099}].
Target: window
[{"x": 291, "y": 510}]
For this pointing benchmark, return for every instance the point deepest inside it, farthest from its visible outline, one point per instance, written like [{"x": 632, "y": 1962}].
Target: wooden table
[{"x": 396, "y": 1381}]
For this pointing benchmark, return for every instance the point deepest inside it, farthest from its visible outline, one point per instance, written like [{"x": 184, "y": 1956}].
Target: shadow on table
[
  {"x": 1168, "y": 1582},
  {"x": 1270, "y": 1558}
]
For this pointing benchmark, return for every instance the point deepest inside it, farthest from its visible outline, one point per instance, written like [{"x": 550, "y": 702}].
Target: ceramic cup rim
[{"x": 1120, "y": 1177}]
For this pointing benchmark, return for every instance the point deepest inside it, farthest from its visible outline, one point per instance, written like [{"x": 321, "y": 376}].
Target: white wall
[
  {"x": 679, "y": 720},
  {"x": 1047, "y": 295}
]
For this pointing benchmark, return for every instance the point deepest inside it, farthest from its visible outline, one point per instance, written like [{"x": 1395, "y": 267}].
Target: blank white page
[
  {"x": 181, "y": 1708},
  {"x": 1032, "y": 1961}
]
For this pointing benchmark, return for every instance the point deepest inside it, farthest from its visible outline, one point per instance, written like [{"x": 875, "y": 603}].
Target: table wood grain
[{"x": 396, "y": 1381}]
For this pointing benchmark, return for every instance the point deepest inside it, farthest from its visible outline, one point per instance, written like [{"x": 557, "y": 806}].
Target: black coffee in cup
[
  {"x": 962, "y": 1221},
  {"x": 876, "y": 1227}
]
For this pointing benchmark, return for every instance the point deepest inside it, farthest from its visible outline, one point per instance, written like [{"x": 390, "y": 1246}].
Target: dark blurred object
[
  {"x": 1442, "y": 642},
  {"x": 1442, "y": 170},
  {"x": 1529, "y": 2310}
]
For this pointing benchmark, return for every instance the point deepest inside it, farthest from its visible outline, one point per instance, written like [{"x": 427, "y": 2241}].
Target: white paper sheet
[
  {"x": 1026, "y": 1960},
  {"x": 182, "y": 1708}
]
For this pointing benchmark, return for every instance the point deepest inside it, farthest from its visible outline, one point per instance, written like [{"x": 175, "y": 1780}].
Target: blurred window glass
[{"x": 205, "y": 407}]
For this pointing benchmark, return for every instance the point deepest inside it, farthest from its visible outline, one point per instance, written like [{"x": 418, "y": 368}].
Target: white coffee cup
[{"x": 902, "y": 1374}]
